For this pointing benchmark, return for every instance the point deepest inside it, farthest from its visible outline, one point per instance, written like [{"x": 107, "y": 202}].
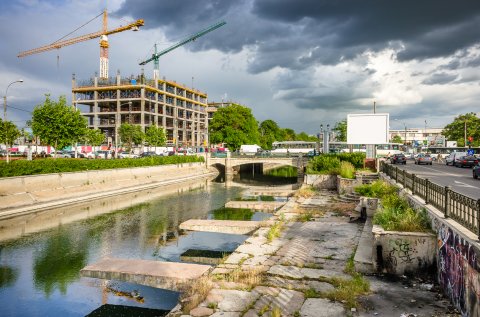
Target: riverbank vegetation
[
  {"x": 343, "y": 164},
  {"x": 395, "y": 213},
  {"x": 47, "y": 166}
]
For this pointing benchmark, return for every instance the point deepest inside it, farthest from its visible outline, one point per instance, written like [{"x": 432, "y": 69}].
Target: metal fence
[{"x": 463, "y": 209}]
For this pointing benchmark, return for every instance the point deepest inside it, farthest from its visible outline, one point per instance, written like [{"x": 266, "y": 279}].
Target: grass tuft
[
  {"x": 196, "y": 293},
  {"x": 275, "y": 231}
]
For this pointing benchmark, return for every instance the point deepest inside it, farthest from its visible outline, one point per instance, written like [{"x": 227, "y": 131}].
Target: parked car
[
  {"x": 150, "y": 154},
  {"x": 398, "y": 159},
  {"x": 467, "y": 160},
  {"x": 102, "y": 154},
  {"x": 124, "y": 155},
  {"x": 87, "y": 155},
  {"x": 60, "y": 154},
  {"x": 423, "y": 159},
  {"x": 476, "y": 171},
  {"x": 452, "y": 157}
]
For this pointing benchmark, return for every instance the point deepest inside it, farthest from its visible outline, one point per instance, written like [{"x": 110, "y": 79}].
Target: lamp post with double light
[
  {"x": 5, "y": 109},
  {"x": 325, "y": 134}
]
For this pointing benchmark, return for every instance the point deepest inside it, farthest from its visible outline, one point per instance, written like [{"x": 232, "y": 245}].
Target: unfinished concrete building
[{"x": 107, "y": 103}]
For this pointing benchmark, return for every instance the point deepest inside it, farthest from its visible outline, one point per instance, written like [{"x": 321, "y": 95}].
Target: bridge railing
[{"x": 463, "y": 209}]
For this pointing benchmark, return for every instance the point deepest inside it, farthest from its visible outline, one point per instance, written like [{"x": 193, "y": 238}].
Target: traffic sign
[{"x": 470, "y": 152}]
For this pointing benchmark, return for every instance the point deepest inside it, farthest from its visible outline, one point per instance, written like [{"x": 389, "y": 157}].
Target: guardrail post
[
  {"x": 413, "y": 184},
  {"x": 446, "y": 212},
  {"x": 396, "y": 174},
  {"x": 478, "y": 219},
  {"x": 404, "y": 180},
  {"x": 427, "y": 191}
]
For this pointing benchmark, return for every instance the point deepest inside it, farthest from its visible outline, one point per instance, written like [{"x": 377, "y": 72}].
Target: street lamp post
[
  {"x": 5, "y": 110},
  {"x": 325, "y": 138}
]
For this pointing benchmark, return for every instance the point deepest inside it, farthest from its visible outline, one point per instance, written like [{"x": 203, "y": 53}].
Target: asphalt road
[{"x": 459, "y": 179}]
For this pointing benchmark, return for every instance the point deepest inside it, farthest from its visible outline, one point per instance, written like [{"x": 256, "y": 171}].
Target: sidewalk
[{"x": 299, "y": 273}]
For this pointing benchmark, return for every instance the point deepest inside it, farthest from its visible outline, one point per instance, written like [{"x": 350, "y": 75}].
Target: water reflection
[
  {"x": 251, "y": 174},
  {"x": 41, "y": 254},
  {"x": 58, "y": 263}
]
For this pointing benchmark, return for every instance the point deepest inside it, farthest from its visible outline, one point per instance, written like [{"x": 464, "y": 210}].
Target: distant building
[
  {"x": 106, "y": 104},
  {"x": 214, "y": 106},
  {"x": 419, "y": 137}
]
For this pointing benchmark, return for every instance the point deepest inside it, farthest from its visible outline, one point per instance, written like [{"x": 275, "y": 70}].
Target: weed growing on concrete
[
  {"x": 296, "y": 314},
  {"x": 330, "y": 257},
  {"x": 196, "y": 293},
  {"x": 275, "y": 231},
  {"x": 347, "y": 170},
  {"x": 312, "y": 266},
  {"x": 305, "y": 192},
  {"x": 212, "y": 305},
  {"x": 250, "y": 278},
  {"x": 276, "y": 312},
  {"x": 346, "y": 291},
  {"x": 350, "y": 266},
  {"x": 311, "y": 293},
  {"x": 264, "y": 309},
  {"x": 304, "y": 217}
]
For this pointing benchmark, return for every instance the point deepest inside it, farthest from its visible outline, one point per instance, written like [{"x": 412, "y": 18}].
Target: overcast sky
[{"x": 301, "y": 63}]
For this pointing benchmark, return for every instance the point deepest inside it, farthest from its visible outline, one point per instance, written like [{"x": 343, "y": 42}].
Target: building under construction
[{"x": 107, "y": 103}]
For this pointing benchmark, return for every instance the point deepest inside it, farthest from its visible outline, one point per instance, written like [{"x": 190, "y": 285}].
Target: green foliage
[
  {"x": 323, "y": 164},
  {"x": 131, "y": 134},
  {"x": 58, "y": 124},
  {"x": 456, "y": 129},
  {"x": 396, "y": 139},
  {"x": 155, "y": 136},
  {"x": 287, "y": 135},
  {"x": 283, "y": 171},
  {"x": 341, "y": 129},
  {"x": 225, "y": 213},
  {"x": 347, "y": 170},
  {"x": 8, "y": 132},
  {"x": 302, "y": 136},
  {"x": 93, "y": 137},
  {"x": 377, "y": 189},
  {"x": 357, "y": 158},
  {"x": 269, "y": 132},
  {"x": 397, "y": 215},
  {"x": 234, "y": 125},
  {"x": 47, "y": 166}
]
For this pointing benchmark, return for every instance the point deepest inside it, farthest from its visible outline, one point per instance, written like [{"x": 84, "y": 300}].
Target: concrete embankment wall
[
  {"x": 458, "y": 258},
  {"x": 23, "y": 191}
]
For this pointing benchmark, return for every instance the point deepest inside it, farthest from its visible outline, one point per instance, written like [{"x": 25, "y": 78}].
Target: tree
[
  {"x": 58, "y": 124},
  {"x": 288, "y": 134},
  {"x": 234, "y": 125},
  {"x": 455, "y": 131},
  {"x": 396, "y": 139},
  {"x": 131, "y": 135},
  {"x": 302, "y": 136},
  {"x": 155, "y": 136},
  {"x": 269, "y": 133},
  {"x": 8, "y": 133},
  {"x": 93, "y": 137},
  {"x": 341, "y": 130}
]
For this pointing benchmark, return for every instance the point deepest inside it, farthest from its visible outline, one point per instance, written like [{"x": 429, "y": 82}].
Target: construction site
[{"x": 108, "y": 102}]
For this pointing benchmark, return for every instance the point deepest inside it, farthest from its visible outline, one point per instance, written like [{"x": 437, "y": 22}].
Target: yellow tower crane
[{"x": 103, "y": 42}]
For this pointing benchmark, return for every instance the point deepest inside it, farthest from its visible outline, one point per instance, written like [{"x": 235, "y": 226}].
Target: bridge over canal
[{"x": 231, "y": 164}]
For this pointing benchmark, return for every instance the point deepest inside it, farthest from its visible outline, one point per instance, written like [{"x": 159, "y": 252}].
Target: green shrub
[
  {"x": 347, "y": 170},
  {"x": 377, "y": 189},
  {"x": 323, "y": 164},
  {"x": 59, "y": 165},
  {"x": 402, "y": 219},
  {"x": 356, "y": 158}
]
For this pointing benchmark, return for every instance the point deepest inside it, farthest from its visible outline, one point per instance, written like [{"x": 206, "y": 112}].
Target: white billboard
[{"x": 367, "y": 128}]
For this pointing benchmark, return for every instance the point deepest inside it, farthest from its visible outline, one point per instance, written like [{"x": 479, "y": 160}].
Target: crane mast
[
  {"x": 103, "y": 35},
  {"x": 155, "y": 56}
]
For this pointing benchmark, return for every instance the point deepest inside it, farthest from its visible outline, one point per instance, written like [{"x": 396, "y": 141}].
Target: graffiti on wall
[
  {"x": 400, "y": 252},
  {"x": 458, "y": 271}
]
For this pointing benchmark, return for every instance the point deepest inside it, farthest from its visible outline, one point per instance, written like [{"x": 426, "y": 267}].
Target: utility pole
[{"x": 465, "y": 133}]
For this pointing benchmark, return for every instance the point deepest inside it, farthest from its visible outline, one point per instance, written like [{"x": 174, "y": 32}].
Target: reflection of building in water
[{"x": 24, "y": 225}]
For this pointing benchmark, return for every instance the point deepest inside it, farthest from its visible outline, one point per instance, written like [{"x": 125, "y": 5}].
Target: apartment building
[{"x": 107, "y": 103}]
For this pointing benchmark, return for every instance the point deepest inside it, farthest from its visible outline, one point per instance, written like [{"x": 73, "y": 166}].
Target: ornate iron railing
[{"x": 463, "y": 209}]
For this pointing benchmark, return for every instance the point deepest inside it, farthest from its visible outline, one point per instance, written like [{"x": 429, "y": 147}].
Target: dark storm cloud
[
  {"x": 440, "y": 79},
  {"x": 297, "y": 34}
]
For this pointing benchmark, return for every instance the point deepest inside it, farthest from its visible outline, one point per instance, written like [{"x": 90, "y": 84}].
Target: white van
[
  {"x": 453, "y": 157},
  {"x": 249, "y": 149}
]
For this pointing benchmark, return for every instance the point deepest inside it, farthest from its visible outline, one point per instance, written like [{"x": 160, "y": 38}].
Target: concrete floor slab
[
  {"x": 222, "y": 226},
  {"x": 286, "y": 271},
  {"x": 321, "y": 307}
]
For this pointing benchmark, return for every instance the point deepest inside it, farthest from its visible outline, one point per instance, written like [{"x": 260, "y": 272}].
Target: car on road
[
  {"x": 398, "y": 159},
  {"x": 467, "y": 160},
  {"x": 149, "y": 154},
  {"x": 61, "y": 154},
  {"x": 423, "y": 159},
  {"x": 476, "y": 171},
  {"x": 124, "y": 155},
  {"x": 452, "y": 157}
]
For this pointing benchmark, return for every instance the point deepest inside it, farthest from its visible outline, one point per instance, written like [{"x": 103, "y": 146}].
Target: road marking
[
  {"x": 449, "y": 174},
  {"x": 463, "y": 184}
]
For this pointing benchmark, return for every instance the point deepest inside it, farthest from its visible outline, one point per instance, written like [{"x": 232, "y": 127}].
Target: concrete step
[
  {"x": 223, "y": 226},
  {"x": 255, "y": 205},
  {"x": 167, "y": 275},
  {"x": 363, "y": 255}
]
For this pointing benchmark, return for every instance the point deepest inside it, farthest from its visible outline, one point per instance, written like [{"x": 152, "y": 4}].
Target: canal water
[{"x": 41, "y": 254}]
